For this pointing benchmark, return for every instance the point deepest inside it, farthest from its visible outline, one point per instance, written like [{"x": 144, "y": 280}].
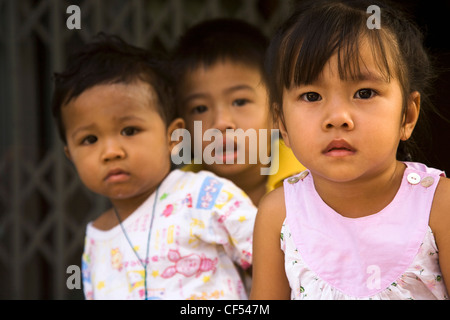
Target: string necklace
[{"x": 144, "y": 263}]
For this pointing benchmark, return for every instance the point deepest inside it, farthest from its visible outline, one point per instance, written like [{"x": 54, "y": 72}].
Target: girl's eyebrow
[{"x": 370, "y": 76}]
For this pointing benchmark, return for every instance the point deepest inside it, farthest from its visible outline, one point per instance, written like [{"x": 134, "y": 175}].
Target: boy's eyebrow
[
  {"x": 239, "y": 87},
  {"x": 226, "y": 91}
]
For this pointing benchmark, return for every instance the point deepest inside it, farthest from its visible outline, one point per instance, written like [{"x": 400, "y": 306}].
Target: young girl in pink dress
[{"x": 363, "y": 222}]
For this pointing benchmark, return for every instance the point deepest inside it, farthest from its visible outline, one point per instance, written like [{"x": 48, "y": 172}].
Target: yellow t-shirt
[{"x": 288, "y": 165}]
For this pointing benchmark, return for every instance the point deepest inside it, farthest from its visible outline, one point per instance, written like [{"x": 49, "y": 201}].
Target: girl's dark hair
[
  {"x": 319, "y": 29},
  {"x": 215, "y": 40},
  {"x": 110, "y": 60}
]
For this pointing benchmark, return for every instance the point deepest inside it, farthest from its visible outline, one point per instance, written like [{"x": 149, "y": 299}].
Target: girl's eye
[
  {"x": 311, "y": 97},
  {"x": 129, "y": 131},
  {"x": 365, "y": 94},
  {"x": 240, "y": 102},
  {"x": 89, "y": 140},
  {"x": 199, "y": 109}
]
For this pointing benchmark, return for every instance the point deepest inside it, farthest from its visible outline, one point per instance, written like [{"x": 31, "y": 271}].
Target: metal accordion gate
[{"x": 43, "y": 206}]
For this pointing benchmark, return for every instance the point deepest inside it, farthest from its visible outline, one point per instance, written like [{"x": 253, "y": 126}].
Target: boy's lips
[
  {"x": 339, "y": 148},
  {"x": 116, "y": 175},
  {"x": 222, "y": 148}
]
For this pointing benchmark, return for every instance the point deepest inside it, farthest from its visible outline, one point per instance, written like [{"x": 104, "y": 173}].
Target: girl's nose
[
  {"x": 339, "y": 116},
  {"x": 113, "y": 150}
]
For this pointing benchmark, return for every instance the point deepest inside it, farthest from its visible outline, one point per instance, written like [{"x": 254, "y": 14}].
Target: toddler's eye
[
  {"x": 89, "y": 140},
  {"x": 199, "y": 109},
  {"x": 240, "y": 102},
  {"x": 129, "y": 131},
  {"x": 311, "y": 96},
  {"x": 365, "y": 94}
]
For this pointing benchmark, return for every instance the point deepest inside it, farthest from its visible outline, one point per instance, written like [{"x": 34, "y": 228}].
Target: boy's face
[
  {"x": 226, "y": 95},
  {"x": 117, "y": 140}
]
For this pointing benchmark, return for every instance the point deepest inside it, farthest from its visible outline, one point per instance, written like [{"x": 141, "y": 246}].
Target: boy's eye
[
  {"x": 89, "y": 140},
  {"x": 240, "y": 102},
  {"x": 311, "y": 96},
  {"x": 129, "y": 131},
  {"x": 199, "y": 109},
  {"x": 365, "y": 94}
]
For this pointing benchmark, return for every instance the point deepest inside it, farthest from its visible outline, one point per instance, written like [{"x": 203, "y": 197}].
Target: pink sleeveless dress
[{"x": 388, "y": 255}]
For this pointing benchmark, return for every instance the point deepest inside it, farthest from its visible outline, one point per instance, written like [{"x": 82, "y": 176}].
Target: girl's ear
[
  {"x": 411, "y": 116},
  {"x": 178, "y": 123},
  {"x": 284, "y": 133},
  {"x": 280, "y": 123}
]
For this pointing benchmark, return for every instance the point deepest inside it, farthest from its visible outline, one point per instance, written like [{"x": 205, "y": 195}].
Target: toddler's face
[
  {"x": 226, "y": 95},
  {"x": 348, "y": 129},
  {"x": 117, "y": 140}
]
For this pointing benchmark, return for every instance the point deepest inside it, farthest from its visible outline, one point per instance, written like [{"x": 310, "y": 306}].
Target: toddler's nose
[{"x": 113, "y": 150}]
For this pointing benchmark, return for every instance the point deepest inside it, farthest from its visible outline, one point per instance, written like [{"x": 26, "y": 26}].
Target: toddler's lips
[{"x": 117, "y": 175}]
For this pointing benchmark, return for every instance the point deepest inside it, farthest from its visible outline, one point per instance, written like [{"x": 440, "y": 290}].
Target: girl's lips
[{"x": 339, "y": 148}]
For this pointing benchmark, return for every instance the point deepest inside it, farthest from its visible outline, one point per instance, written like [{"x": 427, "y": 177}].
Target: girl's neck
[{"x": 361, "y": 198}]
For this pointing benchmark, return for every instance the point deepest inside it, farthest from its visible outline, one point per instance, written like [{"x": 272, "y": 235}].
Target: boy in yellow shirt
[{"x": 219, "y": 69}]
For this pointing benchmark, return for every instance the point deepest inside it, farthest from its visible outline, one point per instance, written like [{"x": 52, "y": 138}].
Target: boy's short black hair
[
  {"x": 110, "y": 60},
  {"x": 211, "y": 40},
  {"x": 215, "y": 40}
]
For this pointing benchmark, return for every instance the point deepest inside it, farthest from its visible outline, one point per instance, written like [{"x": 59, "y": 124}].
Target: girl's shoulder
[
  {"x": 272, "y": 209},
  {"x": 440, "y": 211}
]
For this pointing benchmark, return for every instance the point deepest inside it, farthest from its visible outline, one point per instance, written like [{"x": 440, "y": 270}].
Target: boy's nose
[
  {"x": 223, "y": 119},
  {"x": 113, "y": 151}
]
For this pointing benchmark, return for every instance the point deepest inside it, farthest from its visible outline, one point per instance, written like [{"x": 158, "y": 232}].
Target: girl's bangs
[{"x": 306, "y": 53}]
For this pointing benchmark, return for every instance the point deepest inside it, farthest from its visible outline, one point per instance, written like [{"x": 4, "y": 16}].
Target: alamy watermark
[
  {"x": 74, "y": 20},
  {"x": 228, "y": 148},
  {"x": 374, "y": 21},
  {"x": 74, "y": 279}
]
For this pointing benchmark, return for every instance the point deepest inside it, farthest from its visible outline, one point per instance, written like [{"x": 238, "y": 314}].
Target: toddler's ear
[
  {"x": 67, "y": 153},
  {"x": 411, "y": 116},
  {"x": 178, "y": 123}
]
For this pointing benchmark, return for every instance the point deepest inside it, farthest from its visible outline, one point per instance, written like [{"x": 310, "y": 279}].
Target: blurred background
[{"x": 43, "y": 206}]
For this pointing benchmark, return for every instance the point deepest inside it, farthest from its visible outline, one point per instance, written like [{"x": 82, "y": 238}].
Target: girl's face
[
  {"x": 117, "y": 140},
  {"x": 345, "y": 130},
  {"x": 226, "y": 95}
]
